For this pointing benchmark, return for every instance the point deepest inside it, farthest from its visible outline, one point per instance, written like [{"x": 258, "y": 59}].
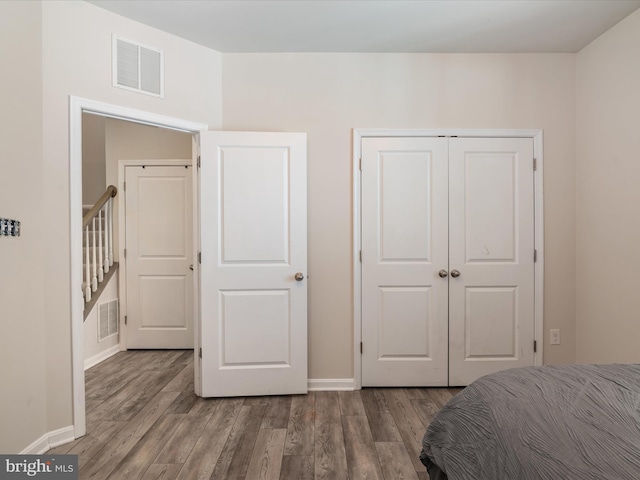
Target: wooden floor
[{"x": 144, "y": 422}]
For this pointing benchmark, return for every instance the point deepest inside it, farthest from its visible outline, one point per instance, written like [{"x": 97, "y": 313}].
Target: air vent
[
  {"x": 107, "y": 319},
  {"x": 138, "y": 68}
]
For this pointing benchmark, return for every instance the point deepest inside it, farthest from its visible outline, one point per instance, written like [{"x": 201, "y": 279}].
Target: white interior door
[
  {"x": 491, "y": 245},
  {"x": 404, "y": 246},
  {"x": 158, "y": 242},
  {"x": 253, "y": 205}
]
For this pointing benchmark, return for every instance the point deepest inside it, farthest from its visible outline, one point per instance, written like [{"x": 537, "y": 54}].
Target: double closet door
[{"x": 447, "y": 259}]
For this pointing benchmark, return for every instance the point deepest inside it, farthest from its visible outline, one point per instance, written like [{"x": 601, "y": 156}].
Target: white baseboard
[
  {"x": 50, "y": 440},
  {"x": 331, "y": 384},
  {"x": 100, "y": 357}
]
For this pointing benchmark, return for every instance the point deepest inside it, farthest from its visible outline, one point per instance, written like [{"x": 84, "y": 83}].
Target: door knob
[
  {"x": 299, "y": 276},
  {"x": 455, "y": 273},
  {"x": 443, "y": 273}
]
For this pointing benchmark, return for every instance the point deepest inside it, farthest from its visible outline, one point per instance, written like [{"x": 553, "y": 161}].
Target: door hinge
[
  {"x": 125, "y": 319},
  {"x": 124, "y": 186},
  {"x": 200, "y": 352},
  {"x": 125, "y": 253},
  {"x": 198, "y": 161},
  {"x": 535, "y": 346},
  {"x": 360, "y": 165},
  {"x": 199, "y": 258},
  {"x": 360, "y": 256},
  {"x": 360, "y": 347},
  {"x": 535, "y": 164},
  {"x": 535, "y": 256}
]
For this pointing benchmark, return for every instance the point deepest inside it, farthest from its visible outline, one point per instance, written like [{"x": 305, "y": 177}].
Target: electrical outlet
[{"x": 554, "y": 336}]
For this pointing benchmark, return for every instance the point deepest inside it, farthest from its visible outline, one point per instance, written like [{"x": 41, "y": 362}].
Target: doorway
[{"x": 78, "y": 106}]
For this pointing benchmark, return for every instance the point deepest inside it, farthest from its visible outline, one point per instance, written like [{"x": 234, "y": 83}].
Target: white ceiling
[{"x": 470, "y": 26}]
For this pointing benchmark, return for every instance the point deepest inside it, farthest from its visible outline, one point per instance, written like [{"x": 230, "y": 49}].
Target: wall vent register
[{"x": 137, "y": 67}]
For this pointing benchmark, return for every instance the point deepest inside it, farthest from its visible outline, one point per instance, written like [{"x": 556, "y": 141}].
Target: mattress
[{"x": 565, "y": 422}]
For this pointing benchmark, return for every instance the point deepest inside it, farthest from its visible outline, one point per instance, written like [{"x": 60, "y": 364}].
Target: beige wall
[
  {"x": 93, "y": 158},
  {"x": 76, "y": 42},
  {"x": 608, "y": 196},
  {"x": 327, "y": 95},
  {"x": 22, "y": 313},
  {"x": 132, "y": 141}
]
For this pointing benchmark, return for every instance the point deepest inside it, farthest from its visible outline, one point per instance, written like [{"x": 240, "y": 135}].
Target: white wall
[
  {"x": 95, "y": 350},
  {"x": 608, "y": 196},
  {"x": 76, "y": 43},
  {"x": 22, "y": 313},
  {"x": 93, "y": 158},
  {"x": 327, "y": 95}
]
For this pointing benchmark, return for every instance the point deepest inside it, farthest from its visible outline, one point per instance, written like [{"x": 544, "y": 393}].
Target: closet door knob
[
  {"x": 443, "y": 273},
  {"x": 455, "y": 273}
]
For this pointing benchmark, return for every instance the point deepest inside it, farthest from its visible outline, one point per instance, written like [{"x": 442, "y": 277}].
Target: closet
[{"x": 447, "y": 236}]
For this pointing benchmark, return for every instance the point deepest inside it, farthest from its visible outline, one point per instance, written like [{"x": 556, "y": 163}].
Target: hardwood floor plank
[
  {"x": 425, "y": 409},
  {"x": 351, "y": 403},
  {"x": 137, "y": 461},
  {"x": 162, "y": 472},
  {"x": 90, "y": 445},
  {"x": 416, "y": 393},
  {"x": 266, "y": 459},
  {"x": 184, "y": 402},
  {"x": 145, "y": 390},
  {"x": 330, "y": 456},
  {"x": 181, "y": 443},
  {"x": 143, "y": 421},
  {"x": 383, "y": 427},
  {"x": 439, "y": 395},
  {"x": 107, "y": 459},
  {"x": 234, "y": 459},
  {"x": 297, "y": 467},
  {"x": 362, "y": 457},
  {"x": 181, "y": 380},
  {"x": 395, "y": 461},
  {"x": 301, "y": 424},
  {"x": 277, "y": 413},
  {"x": 409, "y": 424},
  {"x": 205, "y": 454}
]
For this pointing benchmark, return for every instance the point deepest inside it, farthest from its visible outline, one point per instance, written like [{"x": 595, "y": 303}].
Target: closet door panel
[
  {"x": 404, "y": 245},
  {"x": 491, "y": 243}
]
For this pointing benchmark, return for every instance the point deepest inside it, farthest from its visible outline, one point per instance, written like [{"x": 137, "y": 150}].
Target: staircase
[{"x": 97, "y": 245}]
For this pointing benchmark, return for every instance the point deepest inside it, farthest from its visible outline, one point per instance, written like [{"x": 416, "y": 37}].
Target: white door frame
[
  {"x": 358, "y": 135},
  {"x": 77, "y": 106},
  {"x": 122, "y": 268}
]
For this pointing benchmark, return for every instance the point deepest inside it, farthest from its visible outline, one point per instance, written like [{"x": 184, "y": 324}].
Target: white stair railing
[{"x": 97, "y": 227}]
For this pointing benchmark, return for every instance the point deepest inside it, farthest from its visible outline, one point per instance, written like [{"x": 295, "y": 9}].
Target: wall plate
[{"x": 9, "y": 227}]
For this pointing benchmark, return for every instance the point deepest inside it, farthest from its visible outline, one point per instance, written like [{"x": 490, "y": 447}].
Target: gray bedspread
[{"x": 565, "y": 422}]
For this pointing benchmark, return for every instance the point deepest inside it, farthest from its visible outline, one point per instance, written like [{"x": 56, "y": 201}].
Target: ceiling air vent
[{"x": 137, "y": 67}]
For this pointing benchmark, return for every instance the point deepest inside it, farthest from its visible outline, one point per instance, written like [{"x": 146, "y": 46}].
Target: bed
[{"x": 570, "y": 422}]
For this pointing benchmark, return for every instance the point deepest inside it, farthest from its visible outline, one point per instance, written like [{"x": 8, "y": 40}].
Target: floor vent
[
  {"x": 137, "y": 67},
  {"x": 107, "y": 319}
]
